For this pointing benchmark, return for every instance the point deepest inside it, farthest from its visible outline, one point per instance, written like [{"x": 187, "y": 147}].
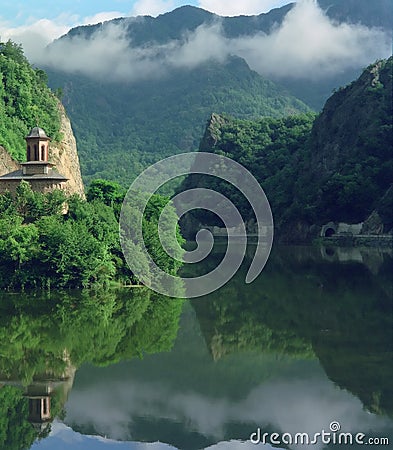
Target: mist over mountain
[
  {"x": 144, "y": 87},
  {"x": 300, "y": 40}
]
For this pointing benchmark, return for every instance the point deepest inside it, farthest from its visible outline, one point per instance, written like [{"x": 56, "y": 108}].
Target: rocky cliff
[
  {"x": 7, "y": 164},
  {"x": 63, "y": 155},
  {"x": 337, "y": 168}
]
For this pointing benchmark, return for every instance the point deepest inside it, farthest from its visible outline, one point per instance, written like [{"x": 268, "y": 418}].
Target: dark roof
[
  {"x": 37, "y": 132},
  {"x": 18, "y": 175}
]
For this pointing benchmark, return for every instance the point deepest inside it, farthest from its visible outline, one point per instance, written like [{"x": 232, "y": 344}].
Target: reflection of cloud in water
[
  {"x": 239, "y": 445},
  {"x": 63, "y": 437},
  {"x": 298, "y": 406}
]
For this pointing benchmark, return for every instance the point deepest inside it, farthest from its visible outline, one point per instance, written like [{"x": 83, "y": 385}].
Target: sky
[
  {"x": 307, "y": 45},
  {"x": 52, "y": 19}
]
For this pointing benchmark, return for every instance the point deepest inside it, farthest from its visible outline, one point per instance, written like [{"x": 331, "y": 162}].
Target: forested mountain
[
  {"x": 337, "y": 167},
  {"x": 138, "y": 89},
  {"x": 123, "y": 127}
]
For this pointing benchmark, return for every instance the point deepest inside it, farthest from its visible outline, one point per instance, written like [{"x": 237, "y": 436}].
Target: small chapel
[{"x": 37, "y": 170}]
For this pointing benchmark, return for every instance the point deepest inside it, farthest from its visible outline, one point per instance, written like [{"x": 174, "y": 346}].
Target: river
[{"x": 305, "y": 348}]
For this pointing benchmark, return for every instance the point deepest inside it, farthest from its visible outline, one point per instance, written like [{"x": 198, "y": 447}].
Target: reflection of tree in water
[
  {"x": 301, "y": 306},
  {"x": 43, "y": 338}
]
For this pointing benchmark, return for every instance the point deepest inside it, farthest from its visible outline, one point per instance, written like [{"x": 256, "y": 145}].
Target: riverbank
[{"x": 344, "y": 240}]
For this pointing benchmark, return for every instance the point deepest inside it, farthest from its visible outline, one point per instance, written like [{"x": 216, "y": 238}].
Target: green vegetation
[
  {"x": 16, "y": 433},
  {"x": 25, "y": 100},
  {"x": 42, "y": 336},
  {"x": 100, "y": 327},
  {"x": 270, "y": 148},
  {"x": 337, "y": 166},
  {"x": 123, "y": 127},
  {"x": 305, "y": 306},
  {"x": 41, "y": 247}
]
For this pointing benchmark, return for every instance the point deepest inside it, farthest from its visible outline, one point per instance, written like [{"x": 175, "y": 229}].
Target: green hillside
[
  {"x": 123, "y": 127},
  {"x": 25, "y": 101},
  {"x": 338, "y": 167}
]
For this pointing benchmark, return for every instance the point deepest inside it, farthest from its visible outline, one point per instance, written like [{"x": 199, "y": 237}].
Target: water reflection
[
  {"x": 45, "y": 338},
  {"x": 309, "y": 342}
]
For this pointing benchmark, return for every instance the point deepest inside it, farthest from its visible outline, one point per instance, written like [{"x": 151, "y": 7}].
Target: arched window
[
  {"x": 36, "y": 156},
  {"x": 29, "y": 153},
  {"x": 43, "y": 152}
]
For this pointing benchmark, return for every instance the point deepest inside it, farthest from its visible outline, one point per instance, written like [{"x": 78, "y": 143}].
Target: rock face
[
  {"x": 63, "y": 155},
  {"x": 7, "y": 164}
]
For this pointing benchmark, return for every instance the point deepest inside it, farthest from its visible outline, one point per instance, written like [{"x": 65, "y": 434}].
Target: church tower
[
  {"x": 37, "y": 170},
  {"x": 37, "y": 150}
]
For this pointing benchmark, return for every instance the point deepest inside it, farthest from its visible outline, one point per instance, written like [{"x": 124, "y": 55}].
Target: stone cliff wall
[
  {"x": 7, "y": 164},
  {"x": 65, "y": 158}
]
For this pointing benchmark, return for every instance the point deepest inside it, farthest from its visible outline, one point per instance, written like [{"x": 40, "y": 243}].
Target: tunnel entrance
[{"x": 329, "y": 232}]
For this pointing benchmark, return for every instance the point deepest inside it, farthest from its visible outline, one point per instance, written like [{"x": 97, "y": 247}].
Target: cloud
[
  {"x": 102, "y": 17},
  {"x": 306, "y": 45},
  {"x": 105, "y": 54},
  {"x": 90, "y": 56},
  {"x": 206, "y": 43},
  {"x": 35, "y": 36},
  {"x": 309, "y": 45},
  {"x": 244, "y": 7},
  {"x": 152, "y": 7},
  {"x": 304, "y": 405}
]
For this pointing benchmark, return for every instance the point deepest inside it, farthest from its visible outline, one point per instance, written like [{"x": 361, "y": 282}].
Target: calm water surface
[{"x": 307, "y": 344}]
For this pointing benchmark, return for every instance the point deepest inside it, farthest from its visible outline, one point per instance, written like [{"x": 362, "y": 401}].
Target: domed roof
[{"x": 37, "y": 132}]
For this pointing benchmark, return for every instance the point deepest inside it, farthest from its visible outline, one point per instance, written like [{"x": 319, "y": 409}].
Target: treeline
[
  {"x": 25, "y": 101},
  {"x": 50, "y": 241}
]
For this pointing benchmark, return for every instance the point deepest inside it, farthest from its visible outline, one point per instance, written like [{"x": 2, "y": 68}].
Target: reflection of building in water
[
  {"x": 372, "y": 258},
  {"x": 46, "y": 396},
  {"x": 39, "y": 395}
]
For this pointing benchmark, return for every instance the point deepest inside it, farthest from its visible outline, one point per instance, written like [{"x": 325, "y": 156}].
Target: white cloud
[
  {"x": 35, "y": 36},
  {"x": 303, "y": 405},
  {"x": 309, "y": 45},
  {"x": 102, "y": 17},
  {"x": 243, "y": 7},
  {"x": 204, "y": 44},
  {"x": 124, "y": 62},
  {"x": 152, "y": 7}
]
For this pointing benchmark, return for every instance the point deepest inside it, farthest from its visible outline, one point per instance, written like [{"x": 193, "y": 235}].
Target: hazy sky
[{"x": 54, "y": 18}]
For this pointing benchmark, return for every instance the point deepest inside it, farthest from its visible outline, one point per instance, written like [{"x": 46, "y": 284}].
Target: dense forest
[
  {"x": 334, "y": 166},
  {"x": 141, "y": 122},
  {"x": 44, "y": 246},
  {"x": 25, "y": 101}
]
